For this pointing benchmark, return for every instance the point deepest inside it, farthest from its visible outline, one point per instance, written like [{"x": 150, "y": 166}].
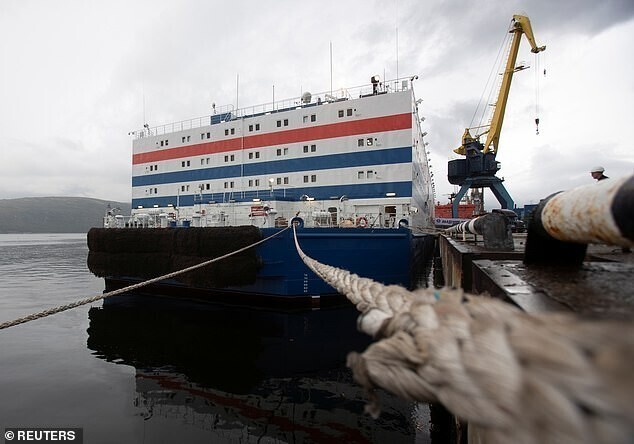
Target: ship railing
[{"x": 228, "y": 112}]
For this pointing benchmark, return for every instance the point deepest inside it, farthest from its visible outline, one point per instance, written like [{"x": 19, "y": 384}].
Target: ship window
[
  {"x": 226, "y": 158},
  {"x": 313, "y": 178},
  {"x": 370, "y": 141},
  {"x": 226, "y": 184},
  {"x": 340, "y": 113},
  {"x": 207, "y": 186},
  {"x": 360, "y": 142},
  {"x": 183, "y": 164},
  {"x": 313, "y": 117},
  {"x": 257, "y": 127},
  {"x": 279, "y": 151},
  {"x": 182, "y": 187},
  {"x": 313, "y": 148},
  {"x": 188, "y": 163},
  {"x": 166, "y": 141},
  {"x": 285, "y": 122},
  {"x": 155, "y": 167},
  {"x": 250, "y": 155},
  {"x": 369, "y": 174},
  {"x": 257, "y": 182},
  {"x": 305, "y": 119},
  {"x": 305, "y": 179},
  {"x": 305, "y": 148},
  {"x": 202, "y": 161},
  {"x": 286, "y": 181},
  {"x": 155, "y": 190},
  {"x": 208, "y": 135},
  {"x": 227, "y": 132},
  {"x": 250, "y": 127},
  {"x": 250, "y": 182},
  {"x": 189, "y": 138},
  {"x": 161, "y": 143},
  {"x": 151, "y": 167},
  {"x": 233, "y": 157},
  {"x": 285, "y": 151},
  {"x": 278, "y": 181},
  {"x": 202, "y": 136},
  {"x": 183, "y": 141},
  {"x": 279, "y": 123},
  {"x": 349, "y": 112},
  {"x": 360, "y": 175},
  {"x": 207, "y": 161},
  {"x": 231, "y": 184},
  {"x": 233, "y": 130},
  {"x": 257, "y": 154}
]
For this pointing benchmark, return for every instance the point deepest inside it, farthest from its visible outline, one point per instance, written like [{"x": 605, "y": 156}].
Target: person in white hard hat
[{"x": 597, "y": 173}]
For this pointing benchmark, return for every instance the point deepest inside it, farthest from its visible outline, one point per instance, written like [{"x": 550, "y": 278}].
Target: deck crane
[{"x": 478, "y": 168}]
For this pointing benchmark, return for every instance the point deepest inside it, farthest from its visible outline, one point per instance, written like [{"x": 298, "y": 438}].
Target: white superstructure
[{"x": 357, "y": 159}]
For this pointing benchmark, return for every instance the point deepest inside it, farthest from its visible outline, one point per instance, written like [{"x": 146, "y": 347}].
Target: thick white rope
[
  {"x": 89, "y": 300},
  {"x": 515, "y": 377}
]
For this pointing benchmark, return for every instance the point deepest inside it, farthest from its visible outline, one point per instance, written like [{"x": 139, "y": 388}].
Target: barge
[{"x": 350, "y": 169}]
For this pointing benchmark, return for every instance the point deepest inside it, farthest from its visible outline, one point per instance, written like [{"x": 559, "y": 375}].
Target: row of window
[
  {"x": 369, "y": 174},
  {"x": 279, "y": 152},
  {"x": 252, "y": 127},
  {"x": 251, "y": 183},
  {"x": 346, "y": 112}
]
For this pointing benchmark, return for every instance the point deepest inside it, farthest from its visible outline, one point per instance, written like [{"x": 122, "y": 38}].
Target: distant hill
[{"x": 54, "y": 214}]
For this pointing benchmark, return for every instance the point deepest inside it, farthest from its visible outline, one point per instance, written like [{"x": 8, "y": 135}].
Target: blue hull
[
  {"x": 379, "y": 254},
  {"x": 280, "y": 277}
]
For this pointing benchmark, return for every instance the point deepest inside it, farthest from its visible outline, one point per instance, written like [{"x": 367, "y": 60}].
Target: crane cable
[
  {"x": 490, "y": 84},
  {"x": 537, "y": 76}
]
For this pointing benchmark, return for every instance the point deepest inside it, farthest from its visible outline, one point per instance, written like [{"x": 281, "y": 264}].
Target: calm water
[{"x": 159, "y": 372}]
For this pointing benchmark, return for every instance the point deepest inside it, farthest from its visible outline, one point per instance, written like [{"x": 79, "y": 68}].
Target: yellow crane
[{"x": 479, "y": 168}]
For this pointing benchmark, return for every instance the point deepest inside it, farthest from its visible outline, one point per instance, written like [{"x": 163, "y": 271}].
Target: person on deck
[{"x": 597, "y": 173}]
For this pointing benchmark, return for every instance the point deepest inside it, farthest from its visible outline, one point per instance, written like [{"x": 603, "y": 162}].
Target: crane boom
[{"x": 521, "y": 25}]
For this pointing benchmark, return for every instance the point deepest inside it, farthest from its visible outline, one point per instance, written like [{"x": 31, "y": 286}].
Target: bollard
[
  {"x": 565, "y": 222},
  {"x": 495, "y": 228}
]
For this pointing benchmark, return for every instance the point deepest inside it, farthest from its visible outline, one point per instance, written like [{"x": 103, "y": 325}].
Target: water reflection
[{"x": 248, "y": 375}]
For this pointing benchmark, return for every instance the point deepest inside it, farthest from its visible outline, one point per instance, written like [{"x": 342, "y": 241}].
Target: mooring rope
[
  {"x": 515, "y": 377},
  {"x": 85, "y": 301}
]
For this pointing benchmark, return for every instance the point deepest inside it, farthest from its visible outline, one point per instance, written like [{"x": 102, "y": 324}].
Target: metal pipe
[
  {"x": 471, "y": 226},
  {"x": 565, "y": 223},
  {"x": 495, "y": 229},
  {"x": 601, "y": 213}
]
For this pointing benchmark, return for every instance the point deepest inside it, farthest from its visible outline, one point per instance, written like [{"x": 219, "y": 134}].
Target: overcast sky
[{"x": 77, "y": 76}]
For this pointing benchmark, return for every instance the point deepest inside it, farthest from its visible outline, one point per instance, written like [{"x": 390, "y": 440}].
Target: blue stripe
[
  {"x": 277, "y": 166},
  {"x": 361, "y": 191}
]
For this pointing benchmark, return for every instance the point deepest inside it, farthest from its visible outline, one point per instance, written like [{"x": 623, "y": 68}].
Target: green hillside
[{"x": 54, "y": 214}]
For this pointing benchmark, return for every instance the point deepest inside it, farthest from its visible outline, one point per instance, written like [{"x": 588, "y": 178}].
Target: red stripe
[{"x": 377, "y": 124}]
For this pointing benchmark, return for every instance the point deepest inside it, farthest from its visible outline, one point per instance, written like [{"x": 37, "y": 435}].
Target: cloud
[{"x": 75, "y": 78}]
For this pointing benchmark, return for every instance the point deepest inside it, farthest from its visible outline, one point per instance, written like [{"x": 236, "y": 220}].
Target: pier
[{"x": 602, "y": 287}]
